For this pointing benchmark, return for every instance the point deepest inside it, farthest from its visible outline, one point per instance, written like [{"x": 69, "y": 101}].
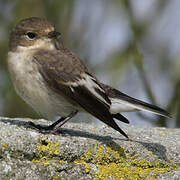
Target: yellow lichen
[
  {"x": 107, "y": 162},
  {"x": 163, "y": 133},
  {"x": 113, "y": 163},
  {"x": 76, "y": 161},
  {"x": 56, "y": 178},
  {"x": 4, "y": 146},
  {"x": 47, "y": 149}
]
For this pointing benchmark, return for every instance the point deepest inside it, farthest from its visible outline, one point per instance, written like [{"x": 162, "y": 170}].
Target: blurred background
[{"x": 132, "y": 45}]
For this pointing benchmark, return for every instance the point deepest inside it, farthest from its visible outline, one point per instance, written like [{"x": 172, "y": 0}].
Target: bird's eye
[{"x": 31, "y": 35}]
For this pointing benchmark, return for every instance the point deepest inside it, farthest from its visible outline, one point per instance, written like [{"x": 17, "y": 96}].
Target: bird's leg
[
  {"x": 62, "y": 121},
  {"x": 54, "y": 127}
]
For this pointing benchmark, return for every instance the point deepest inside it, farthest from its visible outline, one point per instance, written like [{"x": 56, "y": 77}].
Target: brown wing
[{"x": 68, "y": 76}]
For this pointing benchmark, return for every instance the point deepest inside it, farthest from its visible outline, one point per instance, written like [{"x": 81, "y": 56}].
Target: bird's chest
[
  {"x": 29, "y": 84},
  {"x": 27, "y": 80}
]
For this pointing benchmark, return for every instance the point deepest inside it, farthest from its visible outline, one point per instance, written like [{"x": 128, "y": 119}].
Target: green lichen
[{"x": 113, "y": 163}]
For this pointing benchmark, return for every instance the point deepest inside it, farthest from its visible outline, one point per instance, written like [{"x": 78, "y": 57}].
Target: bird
[{"x": 55, "y": 82}]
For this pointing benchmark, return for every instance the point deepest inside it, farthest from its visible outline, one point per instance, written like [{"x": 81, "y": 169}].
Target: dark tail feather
[
  {"x": 123, "y": 133},
  {"x": 120, "y": 118},
  {"x": 117, "y": 128},
  {"x": 135, "y": 103},
  {"x": 140, "y": 105}
]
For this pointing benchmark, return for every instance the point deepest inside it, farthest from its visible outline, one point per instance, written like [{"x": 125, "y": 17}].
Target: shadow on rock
[{"x": 156, "y": 148}]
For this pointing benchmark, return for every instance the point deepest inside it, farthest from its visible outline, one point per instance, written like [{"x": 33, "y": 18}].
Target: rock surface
[{"x": 83, "y": 151}]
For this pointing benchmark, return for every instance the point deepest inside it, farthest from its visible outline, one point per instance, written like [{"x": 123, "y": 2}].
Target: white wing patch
[{"x": 88, "y": 82}]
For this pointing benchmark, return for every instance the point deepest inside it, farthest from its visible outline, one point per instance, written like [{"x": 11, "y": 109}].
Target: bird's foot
[
  {"x": 55, "y": 127},
  {"x": 42, "y": 128}
]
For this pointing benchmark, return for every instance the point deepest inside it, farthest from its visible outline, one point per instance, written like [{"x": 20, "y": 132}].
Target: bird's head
[{"x": 32, "y": 33}]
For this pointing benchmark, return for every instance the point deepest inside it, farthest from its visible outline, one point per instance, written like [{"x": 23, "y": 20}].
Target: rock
[{"x": 84, "y": 151}]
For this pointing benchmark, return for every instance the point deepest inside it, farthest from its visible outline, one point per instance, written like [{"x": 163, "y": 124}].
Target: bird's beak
[{"x": 54, "y": 34}]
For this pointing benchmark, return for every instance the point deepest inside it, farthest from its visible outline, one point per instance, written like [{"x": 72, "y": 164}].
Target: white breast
[{"x": 30, "y": 85}]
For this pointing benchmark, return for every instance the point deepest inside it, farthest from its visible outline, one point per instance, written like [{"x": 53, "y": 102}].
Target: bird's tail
[{"x": 121, "y": 102}]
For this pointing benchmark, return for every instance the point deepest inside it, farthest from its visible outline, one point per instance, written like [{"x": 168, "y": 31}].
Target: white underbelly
[{"x": 42, "y": 99}]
